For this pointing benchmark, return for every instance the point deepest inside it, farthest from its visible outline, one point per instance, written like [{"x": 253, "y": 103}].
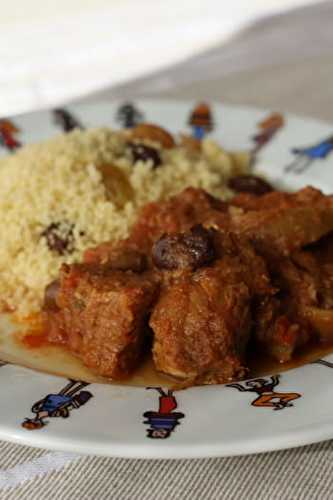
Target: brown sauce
[
  {"x": 145, "y": 375},
  {"x": 260, "y": 364}
]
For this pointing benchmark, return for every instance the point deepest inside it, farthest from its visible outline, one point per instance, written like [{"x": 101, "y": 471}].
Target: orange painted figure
[
  {"x": 267, "y": 129},
  {"x": 201, "y": 120},
  {"x": 7, "y": 135},
  {"x": 264, "y": 388},
  {"x": 163, "y": 421}
]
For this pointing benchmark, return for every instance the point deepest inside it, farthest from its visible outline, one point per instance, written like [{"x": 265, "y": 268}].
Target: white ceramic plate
[{"x": 208, "y": 421}]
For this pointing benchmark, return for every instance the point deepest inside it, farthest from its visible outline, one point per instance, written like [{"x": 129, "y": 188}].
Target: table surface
[{"x": 283, "y": 63}]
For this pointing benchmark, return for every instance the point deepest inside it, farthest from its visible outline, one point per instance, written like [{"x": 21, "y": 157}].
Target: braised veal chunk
[
  {"x": 281, "y": 321},
  {"x": 102, "y": 316},
  {"x": 280, "y": 223},
  {"x": 203, "y": 318},
  {"x": 198, "y": 281}
]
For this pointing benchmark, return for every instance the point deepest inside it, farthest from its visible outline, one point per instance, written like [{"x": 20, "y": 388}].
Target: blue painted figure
[
  {"x": 306, "y": 156},
  {"x": 163, "y": 421},
  {"x": 58, "y": 405},
  {"x": 201, "y": 121}
]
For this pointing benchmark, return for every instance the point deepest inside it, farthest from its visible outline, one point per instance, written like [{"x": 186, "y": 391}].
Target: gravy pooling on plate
[{"x": 57, "y": 360}]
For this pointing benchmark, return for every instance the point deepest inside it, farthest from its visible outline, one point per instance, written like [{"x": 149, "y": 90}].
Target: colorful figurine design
[
  {"x": 128, "y": 115},
  {"x": 8, "y": 130},
  {"x": 163, "y": 421},
  {"x": 306, "y": 156},
  {"x": 267, "y": 130},
  {"x": 201, "y": 121},
  {"x": 266, "y": 395},
  {"x": 65, "y": 120},
  {"x": 58, "y": 405}
]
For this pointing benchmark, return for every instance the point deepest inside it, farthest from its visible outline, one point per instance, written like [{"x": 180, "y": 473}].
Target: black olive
[
  {"x": 142, "y": 152},
  {"x": 192, "y": 249},
  {"x": 250, "y": 184}
]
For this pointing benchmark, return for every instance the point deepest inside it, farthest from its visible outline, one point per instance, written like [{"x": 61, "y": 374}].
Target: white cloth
[{"x": 54, "y": 51}]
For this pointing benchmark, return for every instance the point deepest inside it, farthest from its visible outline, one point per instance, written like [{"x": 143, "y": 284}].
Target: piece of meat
[
  {"x": 202, "y": 320},
  {"x": 278, "y": 333},
  {"x": 252, "y": 265},
  {"x": 320, "y": 315},
  {"x": 201, "y": 327},
  {"x": 102, "y": 316},
  {"x": 278, "y": 200},
  {"x": 322, "y": 251},
  {"x": 302, "y": 310},
  {"x": 280, "y": 223},
  {"x": 192, "y": 206},
  {"x": 122, "y": 256},
  {"x": 281, "y": 323}
]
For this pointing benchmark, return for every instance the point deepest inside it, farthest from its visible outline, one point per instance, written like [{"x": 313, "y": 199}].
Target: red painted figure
[
  {"x": 7, "y": 132},
  {"x": 163, "y": 421},
  {"x": 267, "y": 129}
]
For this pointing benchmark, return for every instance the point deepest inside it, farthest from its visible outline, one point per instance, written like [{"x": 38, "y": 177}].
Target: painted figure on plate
[
  {"x": 59, "y": 404},
  {"x": 264, "y": 388},
  {"x": 163, "y": 422}
]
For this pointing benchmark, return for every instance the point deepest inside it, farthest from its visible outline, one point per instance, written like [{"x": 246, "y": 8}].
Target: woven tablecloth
[{"x": 283, "y": 63}]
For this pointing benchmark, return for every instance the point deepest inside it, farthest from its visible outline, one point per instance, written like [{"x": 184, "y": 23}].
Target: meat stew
[{"x": 201, "y": 283}]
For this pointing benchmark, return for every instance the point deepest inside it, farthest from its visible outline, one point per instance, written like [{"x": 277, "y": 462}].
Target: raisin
[
  {"x": 250, "y": 184},
  {"x": 141, "y": 152},
  {"x": 192, "y": 249},
  {"x": 59, "y": 237}
]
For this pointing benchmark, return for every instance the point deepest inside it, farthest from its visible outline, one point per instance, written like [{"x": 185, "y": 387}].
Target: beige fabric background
[
  {"x": 300, "y": 474},
  {"x": 285, "y": 63}
]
